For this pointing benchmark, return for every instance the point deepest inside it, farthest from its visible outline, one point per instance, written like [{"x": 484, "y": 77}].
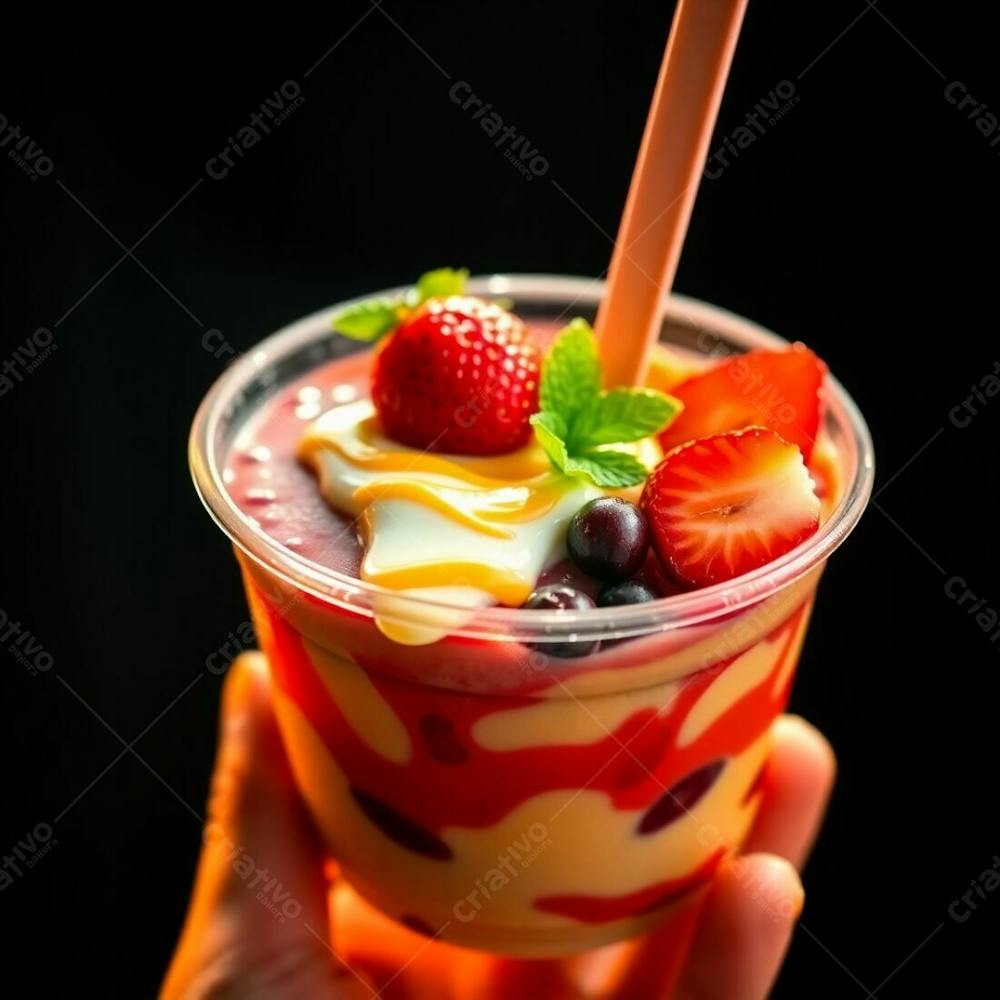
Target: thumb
[{"x": 257, "y": 921}]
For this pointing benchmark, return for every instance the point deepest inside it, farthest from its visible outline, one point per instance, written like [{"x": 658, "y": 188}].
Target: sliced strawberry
[
  {"x": 774, "y": 389},
  {"x": 724, "y": 505}
]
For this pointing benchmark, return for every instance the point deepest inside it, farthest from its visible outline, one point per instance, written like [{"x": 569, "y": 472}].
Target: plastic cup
[{"x": 479, "y": 789}]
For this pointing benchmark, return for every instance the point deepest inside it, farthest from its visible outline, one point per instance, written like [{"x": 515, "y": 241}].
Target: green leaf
[
  {"x": 571, "y": 375},
  {"x": 577, "y": 420},
  {"x": 611, "y": 469},
  {"x": 441, "y": 283},
  {"x": 622, "y": 415},
  {"x": 607, "y": 468},
  {"x": 374, "y": 318},
  {"x": 367, "y": 320},
  {"x": 550, "y": 432}
]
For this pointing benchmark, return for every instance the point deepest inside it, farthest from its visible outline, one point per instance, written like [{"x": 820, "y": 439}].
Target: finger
[
  {"x": 650, "y": 966},
  {"x": 404, "y": 965},
  {"x": 744, "y": 931},
  {"x": 797, "y": 785},
  {"x": 400, "y": 963},
  {"x": 258, "y": 910},
  {"x": 796, "y": 788},
  {"x": 497, "y": 978}
]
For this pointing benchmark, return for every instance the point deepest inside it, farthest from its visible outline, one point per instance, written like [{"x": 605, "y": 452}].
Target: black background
[{"x": 863, "y": 223}]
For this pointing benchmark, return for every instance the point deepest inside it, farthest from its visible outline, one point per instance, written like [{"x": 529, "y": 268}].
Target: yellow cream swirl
[{"x": 463, "y": 530}]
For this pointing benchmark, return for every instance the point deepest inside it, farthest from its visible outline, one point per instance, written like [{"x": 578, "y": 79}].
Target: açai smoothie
[{"x": 477, "y": 574}]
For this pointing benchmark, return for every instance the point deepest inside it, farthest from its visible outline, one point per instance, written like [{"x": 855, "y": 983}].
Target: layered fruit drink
[{"x": 528, "y": 632}]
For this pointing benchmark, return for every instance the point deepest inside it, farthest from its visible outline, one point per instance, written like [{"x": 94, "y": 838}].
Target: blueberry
[
  {"x": 629, "y": 592},
  {"x": 608, "y": 538},
  {"x": 558, "y": 597}
]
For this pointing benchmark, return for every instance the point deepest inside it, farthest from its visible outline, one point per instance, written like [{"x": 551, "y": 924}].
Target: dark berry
[
  {"x": 628, "y": 592},
  {"x": 679, "y": 800},
  {"x": 558, "y": 597},
  {"x": 399, "y": 828},
  {"x": 608, "y": 538}
]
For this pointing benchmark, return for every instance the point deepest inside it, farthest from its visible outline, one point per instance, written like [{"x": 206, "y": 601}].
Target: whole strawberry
[
  {"x": 457, "y": 374},
  {"x": 460, "y": 375}
]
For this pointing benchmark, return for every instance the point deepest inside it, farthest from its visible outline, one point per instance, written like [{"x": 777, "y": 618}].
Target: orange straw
[{"x": 665, "y": 183}]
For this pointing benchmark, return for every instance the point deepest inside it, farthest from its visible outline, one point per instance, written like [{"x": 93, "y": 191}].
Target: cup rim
[{"x": 517, "y": 624}]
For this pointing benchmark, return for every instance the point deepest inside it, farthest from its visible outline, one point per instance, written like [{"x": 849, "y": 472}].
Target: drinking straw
[{"x": 665, "y": 182}]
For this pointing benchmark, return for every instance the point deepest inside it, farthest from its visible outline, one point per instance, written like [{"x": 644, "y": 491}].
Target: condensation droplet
[
  {"x": 345, "y": 393},
  {"x": 260, "y": 495},
  {"x": 308, "y": 411},
  {"x": 243, "y": 439}
]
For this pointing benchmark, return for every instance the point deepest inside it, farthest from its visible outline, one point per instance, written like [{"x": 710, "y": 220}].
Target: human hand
[{"x": 333, "y": 946}]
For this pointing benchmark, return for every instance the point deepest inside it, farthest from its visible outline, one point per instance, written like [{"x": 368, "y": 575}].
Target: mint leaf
[
  {"x": 622, "y": 415},
  {"x": 550, "y": 432},
  {"x": 571, "y": 375},
  {"x": 374, "y": 318},
  {"x": 577, "y": 420},
  {"x": 612, "y": 469},
  {"x": 441, "y": 283},
  {"x": 367, "y": 320}
]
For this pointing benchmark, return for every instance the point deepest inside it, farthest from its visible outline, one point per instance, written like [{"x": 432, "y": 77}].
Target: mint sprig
[
  {"x": 571, "y": 376},
  {"x": 368, "y": 320},
  {"x": 621, "y": 415},
  {"x": 579, "y": 423},
  {"x": 374, "y": 318},
  {"x": 612, "y": 469},
  {"x": 441, "y": 283}
]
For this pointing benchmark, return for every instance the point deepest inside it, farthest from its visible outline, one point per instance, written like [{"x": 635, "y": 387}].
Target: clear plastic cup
[{"x": 479, "y": 789}]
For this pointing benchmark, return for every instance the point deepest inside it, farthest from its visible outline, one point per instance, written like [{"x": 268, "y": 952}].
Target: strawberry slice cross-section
[{"x": 728, "y": 504}]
